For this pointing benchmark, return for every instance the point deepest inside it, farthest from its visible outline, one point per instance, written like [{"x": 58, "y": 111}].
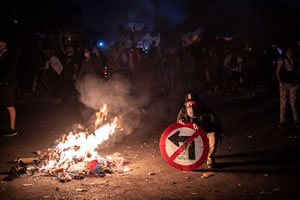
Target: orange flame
[
  {"x": 82, "y": 146},
  {"x": 101, "y": 115}
]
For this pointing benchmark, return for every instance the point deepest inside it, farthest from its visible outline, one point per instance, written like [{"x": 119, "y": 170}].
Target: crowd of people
[
  {"x": 227, "y": 68},
  {"x": 230, "y": 69}
]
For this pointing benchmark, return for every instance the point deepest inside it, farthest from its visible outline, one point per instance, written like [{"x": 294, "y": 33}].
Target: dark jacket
[
  {"x": 8, "y": 68},
  {"x": 205, "y": 119}
]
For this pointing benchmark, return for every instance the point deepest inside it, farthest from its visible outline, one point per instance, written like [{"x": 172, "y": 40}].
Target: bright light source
[{"x": 100, "y": 44}]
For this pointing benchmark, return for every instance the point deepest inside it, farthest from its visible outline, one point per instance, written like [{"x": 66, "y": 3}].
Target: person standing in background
[
  {"x": 55, "y": 68},
  {"x": 288, "y": 77},
  {"x": 8, "y": 83}
]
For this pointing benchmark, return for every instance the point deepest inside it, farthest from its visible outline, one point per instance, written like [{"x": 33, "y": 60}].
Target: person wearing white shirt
[
  {"x": 55, "y": 67},
  {"x": 55, "y": 64}
]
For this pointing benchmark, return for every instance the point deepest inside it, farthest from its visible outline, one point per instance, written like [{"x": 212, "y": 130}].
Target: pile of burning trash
[{"x": 75, "y": 154}]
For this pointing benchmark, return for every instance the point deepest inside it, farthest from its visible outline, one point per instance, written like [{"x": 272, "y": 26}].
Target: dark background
[{"x": 260, "y": 22}]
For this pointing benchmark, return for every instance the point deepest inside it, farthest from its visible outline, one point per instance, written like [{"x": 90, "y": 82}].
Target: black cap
[{"x": 191, "y": 96}]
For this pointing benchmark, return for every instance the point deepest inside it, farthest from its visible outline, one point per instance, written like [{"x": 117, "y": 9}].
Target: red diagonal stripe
[{"x": 181, "y": 148}]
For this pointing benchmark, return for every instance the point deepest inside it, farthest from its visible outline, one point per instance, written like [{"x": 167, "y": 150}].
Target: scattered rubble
[
  {"x": 208, "y": 174},
  {"x": 70, "y": 158},
  {"x": 63, "y": 177},
  {"x": 26, "y": 161},
  {"x": 76, "y": 170}
]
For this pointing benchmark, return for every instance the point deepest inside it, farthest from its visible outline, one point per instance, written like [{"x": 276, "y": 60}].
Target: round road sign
[{"x": 183, "y": 147}]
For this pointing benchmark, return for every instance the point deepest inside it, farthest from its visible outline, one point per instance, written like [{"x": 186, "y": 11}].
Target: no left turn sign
[{"x": 183, "y": 147}]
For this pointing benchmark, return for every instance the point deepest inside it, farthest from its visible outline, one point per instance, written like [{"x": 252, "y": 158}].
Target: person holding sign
[{"x": 204, "y": 118}]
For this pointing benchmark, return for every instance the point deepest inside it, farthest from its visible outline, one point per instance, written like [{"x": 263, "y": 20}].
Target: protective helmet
[{"x": 191, "y": 96}]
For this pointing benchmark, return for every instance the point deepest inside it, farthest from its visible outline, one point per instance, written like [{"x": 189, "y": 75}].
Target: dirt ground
[{"x": 255, "y": 160}]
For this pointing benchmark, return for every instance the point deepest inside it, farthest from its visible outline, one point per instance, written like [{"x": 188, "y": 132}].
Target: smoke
[
  {"x": 117, "y": 93},
  {"x": 94, "y": 92}
]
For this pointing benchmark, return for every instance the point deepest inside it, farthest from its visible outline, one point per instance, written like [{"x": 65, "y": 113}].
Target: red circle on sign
[{"x": 170, "y": 160}]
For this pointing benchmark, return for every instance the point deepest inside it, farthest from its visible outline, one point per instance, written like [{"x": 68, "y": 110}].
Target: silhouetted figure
[{"x": 8, "y": 83}]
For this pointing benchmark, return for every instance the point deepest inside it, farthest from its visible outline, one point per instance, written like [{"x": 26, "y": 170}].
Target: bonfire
[{"x": 75, "y": 153}]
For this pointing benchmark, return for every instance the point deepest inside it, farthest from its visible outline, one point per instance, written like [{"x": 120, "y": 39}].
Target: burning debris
[{"x": 75, "y": 154}]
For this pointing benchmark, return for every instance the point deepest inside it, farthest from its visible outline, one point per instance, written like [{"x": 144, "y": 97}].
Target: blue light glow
[{"x": 100, "y": 44}]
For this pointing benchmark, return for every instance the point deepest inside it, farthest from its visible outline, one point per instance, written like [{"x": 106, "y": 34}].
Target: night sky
[
  {"x": 175, "y": 10},
  {"x": 141, "y": 11},
  {"x": 253, "y": 19}
]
